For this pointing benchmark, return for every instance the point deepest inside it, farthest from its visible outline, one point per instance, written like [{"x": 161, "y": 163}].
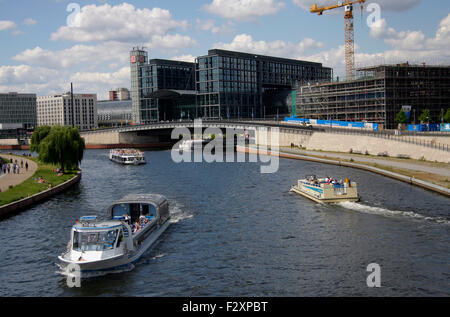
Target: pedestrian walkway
[{"x": 7, "y": 180}]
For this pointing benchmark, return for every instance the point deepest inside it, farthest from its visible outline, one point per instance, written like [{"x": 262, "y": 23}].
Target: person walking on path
[{"x": 7, "y": 180}]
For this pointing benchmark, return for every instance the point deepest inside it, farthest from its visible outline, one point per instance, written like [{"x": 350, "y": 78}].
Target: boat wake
[
  {"x": 390, "y": 213},
  {"x": 177, "y": 214}
]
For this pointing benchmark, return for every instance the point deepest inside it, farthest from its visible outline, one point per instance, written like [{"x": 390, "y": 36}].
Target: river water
[{"x": 237, "y": 232}]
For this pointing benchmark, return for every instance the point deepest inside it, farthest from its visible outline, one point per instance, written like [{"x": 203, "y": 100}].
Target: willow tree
[
  {"x": 38, "y": 135},
  {"x": 62, "y": 146}
]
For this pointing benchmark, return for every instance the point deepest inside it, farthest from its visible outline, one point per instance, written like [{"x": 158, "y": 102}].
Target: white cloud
[
  {"x": 86, "y": 55},
  {"x": 7, "y": 25},
  {"x": 245, "y": 43},
  {"x": 29, "y": 21},
  {"x": 184, "y": 58},
  {"x": 243, "y": 9},
  {"x": 122, "y": 22},
  {"x": 388, "y": 5},
  {"x": 210, "y": 25}
]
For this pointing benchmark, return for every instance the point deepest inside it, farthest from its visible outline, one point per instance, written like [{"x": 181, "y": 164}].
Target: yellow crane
[{"x": 349, "y": 31}]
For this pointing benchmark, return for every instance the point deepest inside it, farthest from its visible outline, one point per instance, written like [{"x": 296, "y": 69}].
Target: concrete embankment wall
[
  {"x": 16, "y": 206},
  {"x": 374, "y": 145},
  {"x": 322, "y": 141}
]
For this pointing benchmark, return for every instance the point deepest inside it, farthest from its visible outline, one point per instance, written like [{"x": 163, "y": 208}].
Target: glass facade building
[
  {"x": 241, "y": 85},
  {"x": 161, "y": 89},
  {"x": 223, "y": 84},
  {"x": 18, "y": 108},
  {"x": 114, "y": 113}
]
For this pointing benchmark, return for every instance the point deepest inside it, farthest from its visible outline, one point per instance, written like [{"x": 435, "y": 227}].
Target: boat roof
[
  {"x": 102, "y": 225},
  {"x": 142, "y": 198}
]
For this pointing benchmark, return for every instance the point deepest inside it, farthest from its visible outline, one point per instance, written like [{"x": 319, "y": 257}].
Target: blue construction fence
[
  {"x": 336, "y": 124},
  {"x": 433, "y": 127}
]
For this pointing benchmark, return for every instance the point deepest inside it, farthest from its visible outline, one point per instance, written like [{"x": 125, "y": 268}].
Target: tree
[
  {"x": 62, "y": 146},
  {"x": 38, "y": 135},
  {"x": 447, "y": 116},
  {"x": 401, "y": 117},
  {"x": 425, "y": 116}
]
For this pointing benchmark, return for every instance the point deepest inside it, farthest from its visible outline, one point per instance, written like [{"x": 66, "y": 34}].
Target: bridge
[{"x": 432, "y": 147}]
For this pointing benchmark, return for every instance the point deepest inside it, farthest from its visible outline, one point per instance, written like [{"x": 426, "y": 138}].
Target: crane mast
[{"x": 349, "y": 32}]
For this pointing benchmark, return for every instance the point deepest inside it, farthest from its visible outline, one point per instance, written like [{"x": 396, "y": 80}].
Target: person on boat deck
[
  {"x": 127, "y": 218},
  {"x": 143, "y": 221},
  {"x": 137, "y": 227}
]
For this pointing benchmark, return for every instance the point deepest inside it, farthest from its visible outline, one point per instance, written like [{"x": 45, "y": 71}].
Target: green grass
[{"x": 31, "y": 185}]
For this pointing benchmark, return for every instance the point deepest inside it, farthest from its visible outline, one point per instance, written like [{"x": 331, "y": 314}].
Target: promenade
[{"x": 7, "y": 180}]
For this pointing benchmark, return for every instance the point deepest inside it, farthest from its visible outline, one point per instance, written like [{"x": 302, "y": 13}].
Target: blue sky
[{"x": 41, "y": 53}]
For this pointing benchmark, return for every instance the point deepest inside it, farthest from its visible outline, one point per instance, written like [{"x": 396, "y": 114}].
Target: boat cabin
[
  {"x": 90, "y": 235},
  {"x": 132, "y": 207}
]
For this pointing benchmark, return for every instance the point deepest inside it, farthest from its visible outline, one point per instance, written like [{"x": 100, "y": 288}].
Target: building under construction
[{"x": 378, "y": 94}]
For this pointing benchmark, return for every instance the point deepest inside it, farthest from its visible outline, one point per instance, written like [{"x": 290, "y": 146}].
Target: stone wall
[{"x": 374, "y": 145}]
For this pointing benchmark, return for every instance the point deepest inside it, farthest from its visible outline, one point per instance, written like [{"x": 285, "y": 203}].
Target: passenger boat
[
  {"x": 190, "y": 145},
  {"x": 134, "y": 223},
  {"x": 326, "y": 190},
  {"x": 127, "y": 156}
]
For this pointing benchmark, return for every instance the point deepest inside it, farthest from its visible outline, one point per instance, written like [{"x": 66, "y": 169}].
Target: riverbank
[
  {"x": 379, "y": 166},
  {"x": 31, "y": 190}
]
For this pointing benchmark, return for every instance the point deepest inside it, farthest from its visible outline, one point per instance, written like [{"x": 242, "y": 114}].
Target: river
[{"x": 237, "y": 232}]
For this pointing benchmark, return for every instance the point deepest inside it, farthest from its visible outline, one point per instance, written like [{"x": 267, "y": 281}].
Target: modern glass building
[
  {"x": 114, "y": 113},
  {"x": 161, "y": 89},
  {"x": 18, "y": 108},
  {"x": 223, "y": 84},
  {"x": 241, "y": 85}
]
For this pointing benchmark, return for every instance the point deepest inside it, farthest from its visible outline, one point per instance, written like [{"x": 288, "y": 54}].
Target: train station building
[{"x": 220, "y": 85}]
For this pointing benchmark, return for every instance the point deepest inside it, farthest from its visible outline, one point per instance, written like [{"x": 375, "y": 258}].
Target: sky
[{"x": 47, "y": 44}]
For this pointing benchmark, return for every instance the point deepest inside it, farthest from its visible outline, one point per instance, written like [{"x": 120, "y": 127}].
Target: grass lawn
[{"x": 31, "y": 186}]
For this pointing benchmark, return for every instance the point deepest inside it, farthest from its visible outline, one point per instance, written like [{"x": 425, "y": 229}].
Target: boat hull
[
  {"x": 333, "y": 200},
  {"x": 128, "y": 163}
]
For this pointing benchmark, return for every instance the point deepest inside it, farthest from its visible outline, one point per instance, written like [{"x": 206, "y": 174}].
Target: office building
[
  {"x": 18, "y": 110},
  {"x": 223, "y": 84},
  {"x": 161, "y": 89},
  {"x": 119, "y": 94},
  {"x": 57, "y": 110},
  {"x": 241, "y": 85}
]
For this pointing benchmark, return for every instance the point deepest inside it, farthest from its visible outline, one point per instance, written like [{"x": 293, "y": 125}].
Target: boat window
[
  {"x": 94, "y": 241},
  {"x": 121, "y": 210},
  {"x": 144, "y": 210},
  {"x": 120, "y": 239}
]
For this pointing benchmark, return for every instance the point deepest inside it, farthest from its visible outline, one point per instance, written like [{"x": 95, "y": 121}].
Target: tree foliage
[
  {"x": 38, "y": 135},
  {"x": 447, "y": 116},
  {"x": 401, "y": 117},
  {"x": 62, "y": 146},
  {"x": 425, "y": 116}
]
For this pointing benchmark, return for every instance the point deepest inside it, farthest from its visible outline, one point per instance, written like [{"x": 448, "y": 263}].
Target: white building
[{"x": 57, "y": 110}]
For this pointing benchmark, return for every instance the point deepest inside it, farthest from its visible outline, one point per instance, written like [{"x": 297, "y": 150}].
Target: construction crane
[{"x": 349, "y": 32}]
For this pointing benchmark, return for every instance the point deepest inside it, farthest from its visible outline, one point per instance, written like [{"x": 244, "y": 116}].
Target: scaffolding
[{"x": 378, "y": 94}]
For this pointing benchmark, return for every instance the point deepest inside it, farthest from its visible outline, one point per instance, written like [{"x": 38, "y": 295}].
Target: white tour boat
[
  {"x": 327, "y": 190},
  {"x": 127, "y": 156},
  {"x": 135, "y": 223},
  {"x": 191, "y": 145}
]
